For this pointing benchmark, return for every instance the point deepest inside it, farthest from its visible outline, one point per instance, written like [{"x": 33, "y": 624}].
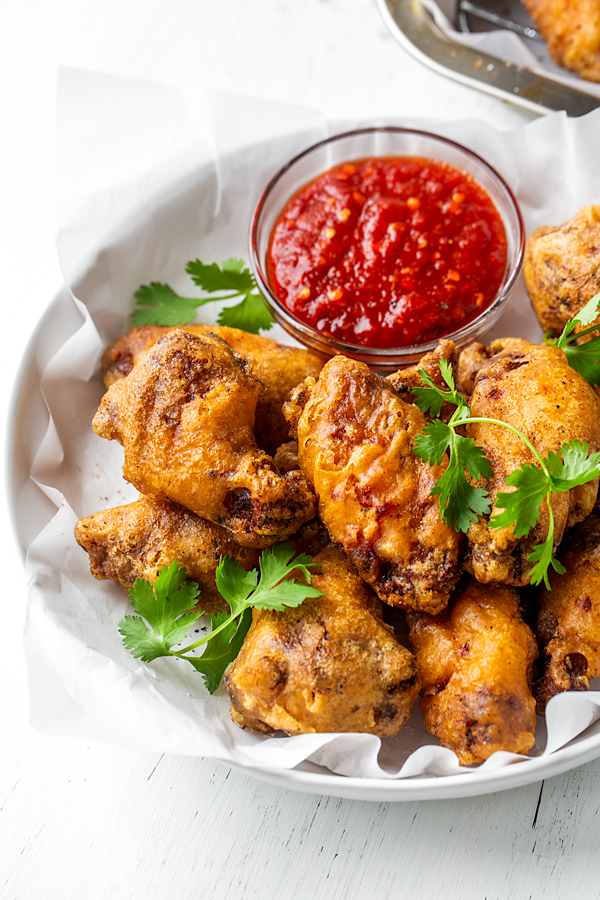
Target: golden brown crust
[
  {"x": 355, "y": 444},
  {"x": 571, "y": 28},
  {"x": 561, "y": 268},
  {"x": 330, "y": 665},
  {"x": 137, "y": 540},
  {"x": 568, "y": 617},
  {"x": 475, "y": 663},
  {"x": 185, "y": 417},
  {"x": 278, "y": 367},
  {"x": 532, "y": 388}
]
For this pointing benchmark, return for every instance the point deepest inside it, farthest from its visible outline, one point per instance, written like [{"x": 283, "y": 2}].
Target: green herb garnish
[
  {"x": 159, "y": 304},
  {"x": 584, "y": 358},
  {"x": 167, "y": 610},
  {"x": 461, "y": 502}
]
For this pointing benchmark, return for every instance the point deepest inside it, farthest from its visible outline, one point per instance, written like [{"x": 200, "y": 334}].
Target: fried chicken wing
[
  {"x": 329, "y": 665},
  {"x": 533, "y": 388},
  {"x": 185, "y": 417},
  {"x": 279, "y": 369},
  {"x": 137, "y": 540},
  {"x": 561, "y": 267},
  {"x": 355, "y": 444},
  {"x": 568, "y": 617},
  {"x": 475, "y": 664},
  {"x": 571, "y": 28}
]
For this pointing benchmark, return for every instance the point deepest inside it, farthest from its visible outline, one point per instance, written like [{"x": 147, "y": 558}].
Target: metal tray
[{"x": 415, "y": 28}]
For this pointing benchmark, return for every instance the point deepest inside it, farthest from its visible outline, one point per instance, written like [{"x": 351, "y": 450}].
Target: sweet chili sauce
[{"x": 388, "y": 252}]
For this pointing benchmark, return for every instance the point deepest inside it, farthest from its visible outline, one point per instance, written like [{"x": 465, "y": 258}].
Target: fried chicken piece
[
  {"x": 568, "y": 618},
  {"x": 405, "y": 380},
  {"x": 533, "y": 388},
  {"x": 561, "y": 267},
  {"x": 277, "y": 367},
  {"x": 137, "y": 540},
  {"x": 329, "y": 665},
  {"x": 355, "y": 444},
  {"x": 475, "y": 664},
  {"x": 571, "y": 28},
  {"x": 185, "y": 417},
  {"x": 286, "y": 457}
]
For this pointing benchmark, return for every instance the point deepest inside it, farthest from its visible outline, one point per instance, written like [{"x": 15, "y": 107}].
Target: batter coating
[
  {"x": 185, "y": 417},
  {"x": 356, "y": 446},
  {"x": 475, "y": 663},
  {"x": 331, "y": 664}
]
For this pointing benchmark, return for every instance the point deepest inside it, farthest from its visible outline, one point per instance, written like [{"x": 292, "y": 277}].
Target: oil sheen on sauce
[{"x": 388, "y": 252}]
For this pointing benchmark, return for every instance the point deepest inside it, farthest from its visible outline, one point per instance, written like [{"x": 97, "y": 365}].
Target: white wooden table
[{"x": 90, "y": 820}]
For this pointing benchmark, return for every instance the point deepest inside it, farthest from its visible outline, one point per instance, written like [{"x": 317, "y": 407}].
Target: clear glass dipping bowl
[{"x": 377, "y": 142}]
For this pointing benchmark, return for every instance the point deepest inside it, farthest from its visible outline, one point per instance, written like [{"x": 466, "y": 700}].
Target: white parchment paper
[{"x": 135, "y": 207}]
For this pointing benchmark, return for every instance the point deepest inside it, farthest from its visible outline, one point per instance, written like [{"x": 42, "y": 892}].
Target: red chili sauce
[{"x": 388, "y": 252}]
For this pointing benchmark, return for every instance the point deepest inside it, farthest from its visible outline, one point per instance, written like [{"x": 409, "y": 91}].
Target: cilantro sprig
[
  {"x": 462, "y": 502},
  {"x": 159, "y": 304},
  {"x": 166, "y": 611},
  {"x": 584, "y": 358}
]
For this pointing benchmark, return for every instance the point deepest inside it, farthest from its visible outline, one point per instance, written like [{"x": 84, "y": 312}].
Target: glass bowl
[{"x": 381, "y": 142}]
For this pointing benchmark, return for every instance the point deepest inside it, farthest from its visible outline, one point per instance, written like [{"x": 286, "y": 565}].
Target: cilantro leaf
[
  {"x": 522, "y": 506},
  {"x": 158, "y": 304},
  {"x": 572, "y": 465},
  {"x": 435, "y": 440},
  {"x": 543, "y": 558},
  {"x": 431, "y": 398},
  {"x": 585, "y": 359},
  {"x": 223, "y": 649},
  {"x": 230, "y": 276},
  {"x": 250, "y": 315},
  {"x": 235, "y": 584},
  {"x": 586, "y": 316},
  {"x": 168, "y": 608},
  {"x": 460, "y": 501}
]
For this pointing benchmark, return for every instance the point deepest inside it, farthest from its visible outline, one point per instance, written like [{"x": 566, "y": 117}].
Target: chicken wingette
[{"x": 356, "y": 446}]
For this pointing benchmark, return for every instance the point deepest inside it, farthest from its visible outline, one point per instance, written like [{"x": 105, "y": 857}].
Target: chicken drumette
[
  {"x": 475, "y": 664},
  {"x": 356, "y": 445},
  {"x": 533, "y": 388},
  {"x": 329, "y": 665},
  {"x": 185, "y": 417}
]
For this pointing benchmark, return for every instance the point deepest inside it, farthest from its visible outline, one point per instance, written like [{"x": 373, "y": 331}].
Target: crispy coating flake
[
  {"x": 568, "y": 617},
  {"x": 475, "y": 663},
  {"x": 561, "y": 267},
  {"x": 137, "y": 540},
  {"x": 279, "y": 369},
  {"x": 533, "y": 388},
  {"x": 185, "y": 417},
  {"x": 329, "y": 665},
  {"x": 355, "y": 444}
]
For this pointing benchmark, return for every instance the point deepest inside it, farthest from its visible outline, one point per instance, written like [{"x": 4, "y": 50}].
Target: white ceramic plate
[{"x": 32, "y": 510}]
